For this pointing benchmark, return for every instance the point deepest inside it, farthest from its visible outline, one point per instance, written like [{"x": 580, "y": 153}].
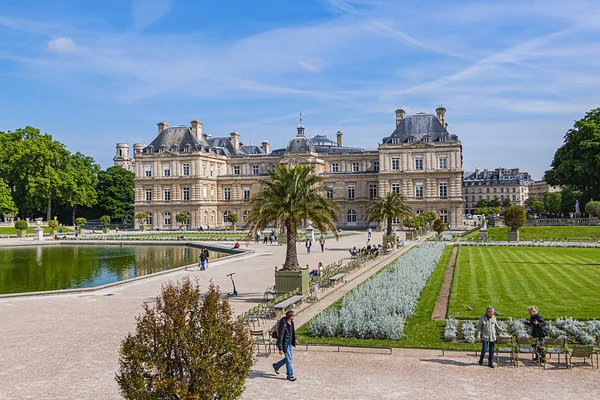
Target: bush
[
  {"x": 80, "y": 222},
  {"x": 104, "y": 220},
  {"x": 515, "y": 217},
  {"x": 439, "y": 226},
  {"x": 451, "y": 330},
  {"x": 185, "y": 348},
  {"x": 21, "y": 225},
  {"x": 593, "y": 208},
  {"x": 468, "y": 331}
]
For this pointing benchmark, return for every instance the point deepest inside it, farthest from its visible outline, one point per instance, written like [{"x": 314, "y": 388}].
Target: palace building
[{"x": 184, "y": 170}]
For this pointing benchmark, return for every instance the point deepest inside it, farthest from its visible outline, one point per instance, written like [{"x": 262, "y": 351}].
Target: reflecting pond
[{"x": 38, "y": 268}]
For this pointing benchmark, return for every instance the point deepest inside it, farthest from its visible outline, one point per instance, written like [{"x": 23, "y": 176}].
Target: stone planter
[
  {"x": 286, "y": 281},
  {"x": 281, "y": 239},
  {"x": 483, "y": 235},
  {"x": 513, "y": 236},
  {"x": 143, "y": 228},
  {"x": 105, "y": 230},
  {"x": 21, "y": 233}
]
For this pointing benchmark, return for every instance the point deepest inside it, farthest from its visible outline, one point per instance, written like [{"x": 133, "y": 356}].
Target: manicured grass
[
  {"x": 11, "y": 230},
  {"x": 559, "y": 281},
  {"x": 420, "y": 331},
  {"x": 528, "y": 233}
]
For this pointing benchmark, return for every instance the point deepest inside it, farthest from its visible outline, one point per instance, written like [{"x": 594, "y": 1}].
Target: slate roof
[{"x": 420, "y": 127}]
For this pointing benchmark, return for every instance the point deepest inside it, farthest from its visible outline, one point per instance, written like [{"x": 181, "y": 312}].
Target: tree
[
  {"x": 290, "y": 196},
  {"x": 80, "y": 222},
  {"x": 7, "y": 204},
  {"x": 569, "y": 197},
  {"x": 495, "y": 202},
  {"x": 142, "y": 218},
  {"x": 182, "y": 219},
  {"x": 577, "y": 162},
  {"x": 115, "y": 192},
  {"x": 483, "y": 203},
  {"x": 494, "y": 210},
  {"x": 21, "y": 226},
  {"x": 80, "y": 183},
  {"x": 185, "y": 348},
  {"x": 552, "y": 202},
  {"x": 393, "y": 205},
  {"x": 53, "y": 224},
  {"x": 481, "y": 211},
  {"x": 105, "y": 221},
  {"x": 506, "y": 202},
  {"x": 411, "y": 222},
  {"x": 592, "y": 208},
  {"x": 232, "y": 218},
  {"x": 515, "y": 217},
  {"x": 428, "y": 216},
  {"x": 439, "y": 226},
  {"x": 534, "y": 205}
]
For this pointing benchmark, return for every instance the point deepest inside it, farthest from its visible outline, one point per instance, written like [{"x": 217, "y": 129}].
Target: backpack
[{"x": 274, "y": 331}]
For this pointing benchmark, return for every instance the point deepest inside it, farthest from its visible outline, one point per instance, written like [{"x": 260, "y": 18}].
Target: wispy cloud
[
  {"x": 147, "y": 12},
  {"x": 63, "y": 45}
]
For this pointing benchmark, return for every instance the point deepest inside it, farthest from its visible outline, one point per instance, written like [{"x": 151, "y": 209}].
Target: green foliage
[
  {"x": 290, "y": 196},
  {"x": 552, "y": 202},
  {"x": 506, "y": 202},
  {"x": 528, "y": 233},
  {"x": 80, "y": 222},
  {"x": 534, "y": 205},
  {"x": 21, "y": 224},
  {"x": 494, "y": 210},
  {"x": 182, "y": 218},
  {"x": 439, "y": 226},
  {"x": 483, "y": 203},
  {"x": 577, "y": 162},
  {"x": 105, "y": 221},
  {"x": 7, "y": 204},
  {"x": 593, "y": 208},
  {"x": 185, "y": 348},
  {"x": 515, "y": 217},
  {"x": 141, "y": 218},
  {"x": 11, "y": 230},
  {"x": 52, "y": 224},
  {"x": 495, "y": 202},
  {"x": 569, "y": 197},
  {"x": 115, "y": 192},
  {"x": 481, "y": 211},
  {"x": 428, "y": 216},
  {"x": 393, "y": 205},
  {"x": 233, "y": 218}
]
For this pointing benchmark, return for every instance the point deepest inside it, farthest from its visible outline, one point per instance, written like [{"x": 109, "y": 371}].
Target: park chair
[
  {"x": 597, "y": 351},
  {"x": 260, "y": 339},
  {"x": 584, "y": 352},
  {"x": 269, "y": 294},
  {"x": 555, "y": 346},
  {"x": 526, "y": 345},
  {"x": 505, "y": 345}
]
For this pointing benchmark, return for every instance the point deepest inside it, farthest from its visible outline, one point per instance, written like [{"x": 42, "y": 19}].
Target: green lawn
[
  {"x": 528, "y": 233},
  {"x": 420, "y": 331},
  {"x": 560, "y": 281},
  {"x": 11, "y": 230}
]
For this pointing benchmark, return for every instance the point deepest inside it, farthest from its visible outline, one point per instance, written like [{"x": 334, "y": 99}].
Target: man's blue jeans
[
  {"x": 287, "y": 360},
  {"x": 484, "y": 347}
]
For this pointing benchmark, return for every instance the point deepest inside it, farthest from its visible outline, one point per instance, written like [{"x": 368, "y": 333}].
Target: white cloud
[
  {"x": 62, "y": 45},
  {"x": 310, "y": 66},
  {"x": 147, "y": 12}
]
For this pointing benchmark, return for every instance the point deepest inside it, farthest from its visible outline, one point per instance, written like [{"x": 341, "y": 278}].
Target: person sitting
[
  {"x": 320, "y": 268},
  {"x": 313, "y": 272},
  {"x": 354, "y": 251},
  {"x": 236, "y": 245}
]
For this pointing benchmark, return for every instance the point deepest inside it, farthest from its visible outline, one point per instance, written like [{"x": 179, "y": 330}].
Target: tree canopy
[
  {"x": 552, "y": 202},
  {"x": 115, "y": 192},
  {"x": 515, "y": 217},
  {"x": 393, "y": 205},
  {"x": 7, "y": 204},
  {"x": 577, "y": 162}
]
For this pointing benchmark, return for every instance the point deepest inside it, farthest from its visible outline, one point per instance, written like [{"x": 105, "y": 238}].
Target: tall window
[
  {"x": 329, "y": 192},
  {"x": 204, "y": 169},
  {"x": 335, "y": 167},
  {"x": 148, "y": 194},
  {"x": 350, "y": 192},
  {"x": 218, "y": 170},
  {"x": 186, "y": 193},
  {"x": 236, "y": 170},
  {"x": 376, "y": 166},
  {"x": 355, "y": 167},
  {"x": 204, "y": 189},
  {"x": 255, "y": 170},
  {"x": 205, "y": 218},
  {"x": 225, "y": 214},
  {"x": 351, "y": 216},
  {"x": 245, "y": 216},
  {"x": 167, "y": 194},
  {"x": 148, "y": 170},
  {"x": 246, "y": 193},
  {"x": 227, "y": 193},
  {"x": 419, "y": 162},
  {"x": 211, "y": 170},
  {"x": 372, "y": 191},
  {"x": 443, "y": 163},
  {"x": 167, "y": 170},
  {"x": 419, "y": 189},
  {"x": 443, "y": 189},
  {"x": 149, "y": 220},
  {"x": 186, "y": 169},
  {"x": 396, "y": 187},
  {"x": 395, "y": 163},
  {"x": 444, "y": 216},
  {"x": 167, "y": 218},
  {"x": 212, "y": 217},
  {"x": 212, "y": 192}
]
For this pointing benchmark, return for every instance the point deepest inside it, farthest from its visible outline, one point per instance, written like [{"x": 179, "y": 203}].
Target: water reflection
[{"x": 37, "y": 268}]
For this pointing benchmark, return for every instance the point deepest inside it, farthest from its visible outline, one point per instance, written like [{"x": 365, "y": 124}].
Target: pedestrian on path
[
  {"x": 202, "y": 260},
  {"x": 487, "y": 327},
  {"x": 369, "y": 231},
  {"x": 286, "y": 339},
  {"x": 322, "y": 243},
  {"x": 539, "y": 330},
  {"x": 308, "y": 245},
  {"x": 206, "y": 256}
]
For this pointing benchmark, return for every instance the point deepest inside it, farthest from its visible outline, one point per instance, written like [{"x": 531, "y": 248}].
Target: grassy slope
[
  {"x": 10, "y": 230},
  {"x": 560, "y": 281},
  {"x": 528, "y": 233},
  {"x": 420, "y": 331}
]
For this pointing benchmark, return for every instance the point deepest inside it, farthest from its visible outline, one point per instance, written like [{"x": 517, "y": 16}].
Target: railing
[{"x": 561, "y": 221}]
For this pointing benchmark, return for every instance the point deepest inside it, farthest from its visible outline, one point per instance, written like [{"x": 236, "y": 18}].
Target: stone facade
[
  {"x": 537, "y": 189},
  {"x": 499, "y": 183},
  {"x": 186, "y": 171}
]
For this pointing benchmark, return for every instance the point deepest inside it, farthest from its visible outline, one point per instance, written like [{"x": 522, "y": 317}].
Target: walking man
[
  {"x": 369, "y": 231},
  {"x": 286, "y": 339},
  {"x": 202, "y": 260},
  {"x": 308, "y": 245},
  {"x": 486, "y": 332},
  {"x": 206, "y": 255},
  {"x": 539, "y": 330},
  {"x": 322, "y": 243}
]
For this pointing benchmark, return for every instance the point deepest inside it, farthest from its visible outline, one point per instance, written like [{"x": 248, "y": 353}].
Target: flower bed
[{"x": 377, "y": 309}]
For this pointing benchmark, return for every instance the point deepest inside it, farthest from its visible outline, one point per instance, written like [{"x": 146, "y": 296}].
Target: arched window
[
  {"x": 225, "y": 214},
  {"x": 419, "y": 212},
  {"x": 149, "y": 220},
  {"x": 167, "y": 218},
  {"x": 351, "y": 216},
  {"x": 205, "y": 220},
  {"x": 245, "y": 216},
  {"x": 444, "y": 215},
  {"x": 212, "y": 217}
]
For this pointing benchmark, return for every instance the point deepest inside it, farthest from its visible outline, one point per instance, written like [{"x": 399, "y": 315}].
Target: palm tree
[
  {"x": 393, "y": 205},
  {"x": 290, "y": 196}
]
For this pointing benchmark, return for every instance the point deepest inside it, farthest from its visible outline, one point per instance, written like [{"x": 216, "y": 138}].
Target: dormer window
[
  {"x": 150, "y": 149},
  {"x": 443, "y": 138},
  {"x": 161, "y": 148},
  {"x": 411, "y": 139},
  {"x": 174, "y": 149},
  {"x": 425, "y": 139},
  {"x": 187, "y": 147}
]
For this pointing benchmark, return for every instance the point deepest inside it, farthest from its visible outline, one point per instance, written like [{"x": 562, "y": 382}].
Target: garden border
[{"x": 440, "y": 311}]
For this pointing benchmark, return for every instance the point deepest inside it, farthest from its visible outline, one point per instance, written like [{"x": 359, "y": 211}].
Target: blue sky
[{"x": 513, "y": 75}]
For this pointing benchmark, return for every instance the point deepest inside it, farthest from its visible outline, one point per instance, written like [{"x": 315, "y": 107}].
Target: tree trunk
[
  {"x": 74, "y": 208},
  {"x": 49, "y": 210},
  {"x": 388, "y": 231},
  {"x": 291, "y": 253}
]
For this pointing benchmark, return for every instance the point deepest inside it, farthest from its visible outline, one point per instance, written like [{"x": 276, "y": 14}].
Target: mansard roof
[
  {"x": 177, "y": 137},
  {"x": 420, "y": 127}
]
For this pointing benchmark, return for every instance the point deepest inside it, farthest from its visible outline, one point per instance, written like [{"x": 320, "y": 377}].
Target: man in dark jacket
[
  {"x": 539, "y": 330},
  {"x": 286, "y": 339}
]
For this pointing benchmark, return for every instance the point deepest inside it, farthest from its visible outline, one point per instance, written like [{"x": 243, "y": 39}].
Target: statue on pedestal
[{"x": 577, "y": 210}]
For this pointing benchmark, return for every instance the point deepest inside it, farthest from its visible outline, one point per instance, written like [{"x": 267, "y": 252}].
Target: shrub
[
  {"x": 451, "y": 330},
  {"x": 593, "y": 208},
  {"x": 53, "y": 224},
  {"x": 517, "y": 328},
  {"x": 80, "y": 222},
  {"x": 105, "y": 221},
  {"x": 515, "y": 217},
  {"x": 439, "y": 226},
  {"x": 468, "y": 331},
  {"x": 21, "y": 225},
  {"x": 185, "y": 348}
]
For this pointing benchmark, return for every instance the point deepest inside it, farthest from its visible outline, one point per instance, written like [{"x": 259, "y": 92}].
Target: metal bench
[
  {"x": 282, "y": 307},
  {"x": 336, "y": 278}
]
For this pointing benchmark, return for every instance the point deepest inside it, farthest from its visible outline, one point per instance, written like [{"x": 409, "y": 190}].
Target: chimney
[
  {"x": 441, "y": 115},
  {"x": 235, "y": 140},
  {"x": 339, "y": 138},
  {"x": 265, "y": 147},
  {"x": 162, "y": 125},
  {"x": 196, "y": 128},
  {"x": 476, "y": 173},
  {"x": 400, "y": 113},
  {"x": 138, "y": 148}
]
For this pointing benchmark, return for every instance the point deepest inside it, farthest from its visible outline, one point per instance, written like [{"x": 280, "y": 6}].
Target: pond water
[{"x": 38, "y": 268}]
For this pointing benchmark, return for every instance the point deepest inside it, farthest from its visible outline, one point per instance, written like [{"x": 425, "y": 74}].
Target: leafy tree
[
  {"x": 53, "y": 224},
  {"x": 105, "y": 221},
  {"x": 494, "y": 210},
  {"x": 577, "y": 162},
  {"x": 182, "y": 219},
  {"x": 80, "y": 222},
  {"x": 141, "y": 218},
  {"x": 515, "y": 217},
  {"x": 569, "y": 197},
  {"x": 185, "y": 348},
  {"x": 232, "y": 218},
  {"x": 534, "y": 205},
  {"x": 292, "y": 195},
  {"x": 7, "y": 204},
  {"x": 80, "y": 183},
  {"x": 439, "y": 226},
  {"x": 506, "y": 202},
  {"x": 393, "y": 205},
  {"x": 483, "y": 203},
  {"x": 552, "y": 202},
  {"x": 428, "y": 216},
  {"x": 21, "y": 225},
  {"x": 495, "y": 202},
  {"x": 592, "y": 208},
  {"x": 481, "y": 211},
  {"x": 412, "y": 222},
  {"x": 115, "y": 192}
]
